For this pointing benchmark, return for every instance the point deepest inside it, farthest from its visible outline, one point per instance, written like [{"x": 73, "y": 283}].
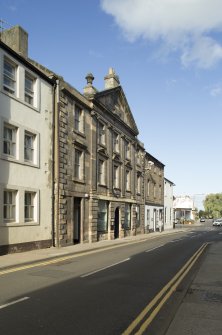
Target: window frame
[
  {"x": 31, "y": 207},
  {"x": 78, "y": 164},
  {"x": 127, "y": 150},
  {"x": 116, "y": 176},
  {"x": 138, "y": 184},
  {"x": 10, "y": 89},
  {"x": 101, "y": 133},
  {"x": 103, "y": 216},
  {"x": 128, "y": 180},
  {"x": 116, "y": 142},
  {"x": 9, "y": 206},
  {"x": 128, "y": 217},
  {"x": 12, "y": 142},
  {"x": 78, "y": 118},
  {"x": 31, "y": 149},
  {"x": 102, "y": 172},
  {"x": 29, "y": 93}
]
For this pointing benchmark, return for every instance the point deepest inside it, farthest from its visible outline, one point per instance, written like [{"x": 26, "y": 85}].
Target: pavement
[{"x": 200, "y": 311}]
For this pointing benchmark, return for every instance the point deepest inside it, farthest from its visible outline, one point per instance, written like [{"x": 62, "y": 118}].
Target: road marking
[
  {"x": 65, "y": 258},
  {"x": 179, "y": 239},
  {"x": 155, "y": 248},
  {"x": 13, "y": 302},
  {"x": 105, "y": 267},
  {"x": 167, "y": 290},
  {"x": 80, "y": 254}
]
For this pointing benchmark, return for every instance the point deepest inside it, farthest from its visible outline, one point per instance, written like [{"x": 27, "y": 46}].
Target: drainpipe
[
  {"x": 57, "y": 160},
  {"x": 53, "y": 162}
]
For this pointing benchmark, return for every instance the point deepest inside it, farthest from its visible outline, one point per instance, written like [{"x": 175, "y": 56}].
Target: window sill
[
  {"x": 17, "y": 161},
  {"x": 79, "y": 181},
  {"x": 80, "y": 133},
  {"x": 19, "y": 224},
  {"x": 13, "y": 96},
  {"x": 102, "y": 185}
]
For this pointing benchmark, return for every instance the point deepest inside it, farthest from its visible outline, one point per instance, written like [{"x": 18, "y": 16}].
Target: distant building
[
  {"x": 183, "y": 208},
  {"x": 168, "y": 204},
  {"x": 153, "y": 193}
]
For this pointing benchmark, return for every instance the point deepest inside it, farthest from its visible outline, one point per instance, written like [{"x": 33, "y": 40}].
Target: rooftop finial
[
  {"x": 89, "y": 79},
  {"x": 111, "y": 79}
]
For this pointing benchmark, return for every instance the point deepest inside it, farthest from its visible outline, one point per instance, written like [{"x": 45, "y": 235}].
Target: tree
[
  {"x": 202, "y": 213},
  {"x": 213, "y": 205}
]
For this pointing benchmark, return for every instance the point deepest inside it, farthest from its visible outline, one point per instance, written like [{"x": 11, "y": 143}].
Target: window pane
[
  {"x": 78, "y": 120},
  {"x": 127, "y": 222},
  {"x": 29, "y": 89},
  {"x": 9, "y": 140},
  {"x": 78, "y": 165},
  {"x": 29, "y": 206},
  {"x": 9, "y": 206},
  {"x": 102, "y": 216},
  {"x": 29, "y": 147},
  {"x": 9, "y": 77}
]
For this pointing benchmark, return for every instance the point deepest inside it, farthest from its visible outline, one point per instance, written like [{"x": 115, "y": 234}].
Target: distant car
[
  {"x": 202, "y": 219},
  {"x": 217, "y": 223}
]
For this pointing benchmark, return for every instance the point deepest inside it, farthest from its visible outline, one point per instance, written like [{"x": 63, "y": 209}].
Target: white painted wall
[
  {"x": 153, "y": 217},
  {"x": 16, "y": 173},
  {"x": 168, "y": 204}
]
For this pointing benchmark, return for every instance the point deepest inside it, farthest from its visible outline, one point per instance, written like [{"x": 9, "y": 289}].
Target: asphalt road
[{"x": 100, "y": 293}]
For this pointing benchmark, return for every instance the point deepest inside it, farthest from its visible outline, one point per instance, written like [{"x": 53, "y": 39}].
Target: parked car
[
  {"x": 202, "y": 219},
  {"x": 217, "y": 223}
]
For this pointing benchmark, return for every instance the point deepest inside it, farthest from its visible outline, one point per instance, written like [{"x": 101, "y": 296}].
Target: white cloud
[
  {"x": 216, "y": 90},
  {"x": 186, "y": 26}
]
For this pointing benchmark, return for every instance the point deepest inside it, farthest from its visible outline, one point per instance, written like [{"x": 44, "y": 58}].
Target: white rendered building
[
  {"x": 168, "y": 204},
  {"x": 26, "y": 109}
]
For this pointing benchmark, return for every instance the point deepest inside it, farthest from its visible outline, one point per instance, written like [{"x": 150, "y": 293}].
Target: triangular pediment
[{"x": 115, "y": 101}]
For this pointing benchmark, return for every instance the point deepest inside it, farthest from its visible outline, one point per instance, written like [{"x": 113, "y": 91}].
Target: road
[{"x": 104, "y": 292}]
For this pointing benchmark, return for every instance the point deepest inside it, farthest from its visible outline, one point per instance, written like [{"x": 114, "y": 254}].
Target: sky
[{"x": 168, "y": 56}]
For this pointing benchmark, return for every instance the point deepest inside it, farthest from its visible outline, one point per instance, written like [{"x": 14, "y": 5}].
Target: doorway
[
  {"x": 116, "y": 223},
  {"x": 77, "y": 220}
]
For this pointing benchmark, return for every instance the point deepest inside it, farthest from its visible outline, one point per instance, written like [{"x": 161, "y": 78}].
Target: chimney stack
[{"x": 17, "y": 39}]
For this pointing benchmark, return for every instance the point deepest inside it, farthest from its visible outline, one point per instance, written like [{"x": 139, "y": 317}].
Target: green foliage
[
  {"x": 202, "y": 213},
  {"x": 213, "y": 205}
]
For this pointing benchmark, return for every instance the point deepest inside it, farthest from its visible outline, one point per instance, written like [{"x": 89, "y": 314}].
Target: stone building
[
  {"x": 94, "y": 176},
  {"x": 116, "y": 196}
]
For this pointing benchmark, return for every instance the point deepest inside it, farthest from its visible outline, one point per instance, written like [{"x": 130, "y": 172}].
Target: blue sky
[{"x": 168, "y": 55}]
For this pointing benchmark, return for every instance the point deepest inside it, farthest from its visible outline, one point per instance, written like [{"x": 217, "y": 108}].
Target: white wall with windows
[
  {"x": 168, "y": 204},
  {"x": 25, "y": 153},
  {"x": 154, "y": 216}
]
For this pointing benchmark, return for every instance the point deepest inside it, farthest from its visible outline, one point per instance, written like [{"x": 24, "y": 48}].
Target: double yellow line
[{"x": 164, "y": 294}]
